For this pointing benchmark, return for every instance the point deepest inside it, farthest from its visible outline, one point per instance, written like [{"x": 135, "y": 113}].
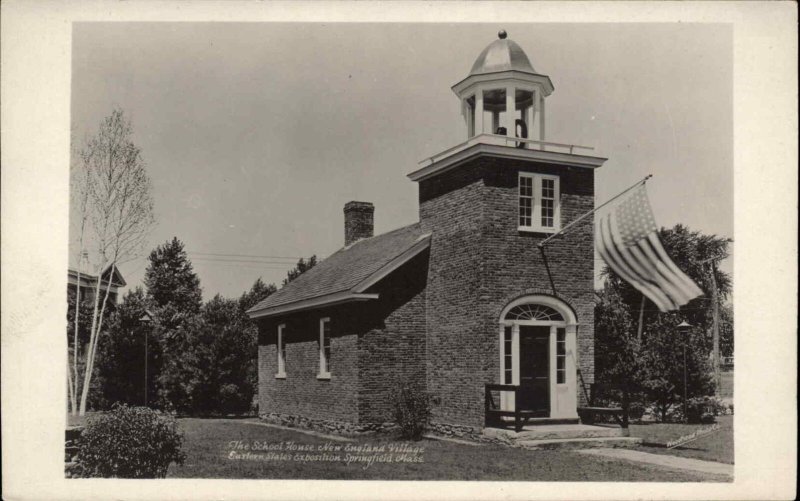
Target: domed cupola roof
[
  {"x": 501, "y": 60},
  {"x": 502, "y": 55}
]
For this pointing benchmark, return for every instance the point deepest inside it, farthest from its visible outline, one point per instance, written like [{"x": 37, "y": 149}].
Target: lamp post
[
  {"x": 145, "y": 321},
  {"x": 684, "y": 328}
]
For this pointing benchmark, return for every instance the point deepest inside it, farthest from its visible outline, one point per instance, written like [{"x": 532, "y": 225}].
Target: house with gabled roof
[
  {"x": 110, "y": 281},
  {"x": 464, "y": 303}
]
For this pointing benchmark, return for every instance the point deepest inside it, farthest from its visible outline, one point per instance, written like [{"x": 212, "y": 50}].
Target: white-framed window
[
  {"x": 281, "y": 345},
  {"x": 539, "y": 208},
  {"x": 508, "y": 355},
  {"x": 324, "y": 348},
  {"x": 561, "y": 355}
]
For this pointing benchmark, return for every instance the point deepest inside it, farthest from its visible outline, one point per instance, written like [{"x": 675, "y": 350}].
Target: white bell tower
[{"x": 504, "y": 95}]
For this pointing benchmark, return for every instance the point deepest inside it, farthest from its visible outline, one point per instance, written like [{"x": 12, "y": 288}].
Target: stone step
[
  {"x": 579, "y": 443},
  {"x": 556, "y": 432}
]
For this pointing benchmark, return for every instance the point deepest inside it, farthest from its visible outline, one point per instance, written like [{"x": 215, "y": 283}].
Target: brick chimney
[{"x": 358, "y": 221}]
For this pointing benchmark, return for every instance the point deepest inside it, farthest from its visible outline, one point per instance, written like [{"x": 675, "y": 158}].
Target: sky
[{"x": 255, "y": 135}]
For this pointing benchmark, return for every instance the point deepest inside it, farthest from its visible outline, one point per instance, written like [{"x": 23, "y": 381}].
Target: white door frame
[{"x": 563, "y": 397}]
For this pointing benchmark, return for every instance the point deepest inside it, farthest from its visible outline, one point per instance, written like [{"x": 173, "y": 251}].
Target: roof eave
[
  {"x": 524, "y": 76},
  {"x": 423, "y": 242},
  {"x": 310, "y": 304},
  {"x": 356, "y": 293},
  {"x": 72, "y": 278},
  {"x": 481, "y": 149}
]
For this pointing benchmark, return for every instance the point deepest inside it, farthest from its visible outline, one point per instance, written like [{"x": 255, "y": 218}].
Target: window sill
[
  {"x": 281, "y": 375},
  {"x": 324, "y": 377},
  {"x": 531, "y": 229}
]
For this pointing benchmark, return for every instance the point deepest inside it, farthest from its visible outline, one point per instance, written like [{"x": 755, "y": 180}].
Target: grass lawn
[
  {"x": 208, "y": 444},
  {"x": 717, "y": 446}
]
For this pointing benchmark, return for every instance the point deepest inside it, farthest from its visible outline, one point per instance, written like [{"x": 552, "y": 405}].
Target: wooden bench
[
  {"x": 587, "y": 413},
  {"x": 494, "y": 415}
]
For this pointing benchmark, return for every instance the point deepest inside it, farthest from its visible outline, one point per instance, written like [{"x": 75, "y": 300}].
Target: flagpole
[
  {"x": 641, "y": 319},
  {"x": 562, "y": 230}
]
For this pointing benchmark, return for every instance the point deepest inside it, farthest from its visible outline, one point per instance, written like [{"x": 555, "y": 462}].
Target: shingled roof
[{"x": 346, "y": 274}]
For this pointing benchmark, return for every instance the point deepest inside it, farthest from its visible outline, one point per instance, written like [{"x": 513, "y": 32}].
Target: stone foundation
[
  {"x": 328, "y": 426},
  {"x": 467, "y": 433},
  {"x": 352, "y": 429}
]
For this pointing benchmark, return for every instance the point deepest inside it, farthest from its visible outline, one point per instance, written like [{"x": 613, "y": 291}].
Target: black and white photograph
[{"x": 495, "y": 250}]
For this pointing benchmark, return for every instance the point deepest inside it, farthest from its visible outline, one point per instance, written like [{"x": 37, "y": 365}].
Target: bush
[
  {"x": 412, "y": 411},
  {"x": 130, "y": 442},
  {"x": 605, "y": 397},
  {"x": 636, "y": 411},
  {"x": 704, "y": 409}
]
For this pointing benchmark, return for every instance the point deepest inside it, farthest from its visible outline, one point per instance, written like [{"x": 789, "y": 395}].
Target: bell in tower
[{"x": 504, "y": 95}]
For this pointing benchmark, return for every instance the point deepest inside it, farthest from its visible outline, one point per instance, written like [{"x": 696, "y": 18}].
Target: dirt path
[{"x": 680, "y": 463}]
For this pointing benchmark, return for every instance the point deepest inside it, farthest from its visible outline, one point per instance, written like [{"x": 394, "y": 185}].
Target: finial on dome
[{"x": 502, "y": 34}]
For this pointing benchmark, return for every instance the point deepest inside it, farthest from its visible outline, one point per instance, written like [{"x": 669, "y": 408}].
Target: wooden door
[{"x": 534, "y": 369}]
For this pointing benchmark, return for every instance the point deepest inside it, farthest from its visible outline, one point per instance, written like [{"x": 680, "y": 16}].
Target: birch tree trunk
[
  {"x": 119, "y": 210},
  {"x": 89, "y": 349},
  {"x": 81, "y": 189},
  {"x": 92, "y": 350}
]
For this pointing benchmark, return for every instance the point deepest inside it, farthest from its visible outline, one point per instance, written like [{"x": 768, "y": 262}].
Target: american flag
[{"x": 627, "y": 239}]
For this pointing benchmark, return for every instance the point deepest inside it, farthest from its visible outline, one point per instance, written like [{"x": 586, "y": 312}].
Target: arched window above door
[{"x": 534, "y": 312}]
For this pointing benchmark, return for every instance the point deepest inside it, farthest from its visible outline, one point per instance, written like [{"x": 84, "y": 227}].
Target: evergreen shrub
[
  {"x": 130, "y": 442},
  {"x": 412, "y": 410}
]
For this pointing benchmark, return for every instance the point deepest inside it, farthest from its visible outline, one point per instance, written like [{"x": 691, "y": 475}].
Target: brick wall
[
  {"x": 459, "y": 358},
  {"x": 480, "y": 262},
  {"x": 301, "y": 393},
  {"x": 374, "y": 346},
  {"x": 392, "y": 349}
]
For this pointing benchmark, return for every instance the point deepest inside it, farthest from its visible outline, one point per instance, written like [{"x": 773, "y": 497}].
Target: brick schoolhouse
[{"x": 463, "y": 303}]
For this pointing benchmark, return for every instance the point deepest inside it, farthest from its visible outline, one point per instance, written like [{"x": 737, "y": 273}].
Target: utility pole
[
  {"x": 144, "y": 322},
  {"x": 684, "y": 328},
  {"x": 641, "y": 319},
  {"x": 715, "y": 317},
  {"x": 715, "y": 322}
]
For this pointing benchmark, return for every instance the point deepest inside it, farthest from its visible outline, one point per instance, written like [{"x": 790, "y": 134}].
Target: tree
[
  {"x": 302, "y": 267},
  {"x": 256, "y": 294},
  {"x": 617, "y": 350},
  {"x": 208, "y": 369},
  {"x": 179, "y": 366},
  {"x": 170, "y": 278},
  {"x": 78, "y": 333},
  {"x": 654, "y": 363},
  {"x": 233, "y": 342},
  {"x": 210, "y": 361},
  {"x": 121, "y": 359},
  {"x": 173, "y": 291},
  {"x": 113, "y": 210},
  {"x": 726, "y": 331},
  {"x": 662, "y": 363},
  {"x": 83, "y": 322}
]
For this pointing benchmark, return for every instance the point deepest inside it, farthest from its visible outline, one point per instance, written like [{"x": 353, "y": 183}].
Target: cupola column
[
  {"x": 541, "y": 117},
  {"x": 478, "y": 113},
  {"x": 536, "y": 122},
  {"x": 511, "y": 111},
  {"x": 529, "y": 115}
]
